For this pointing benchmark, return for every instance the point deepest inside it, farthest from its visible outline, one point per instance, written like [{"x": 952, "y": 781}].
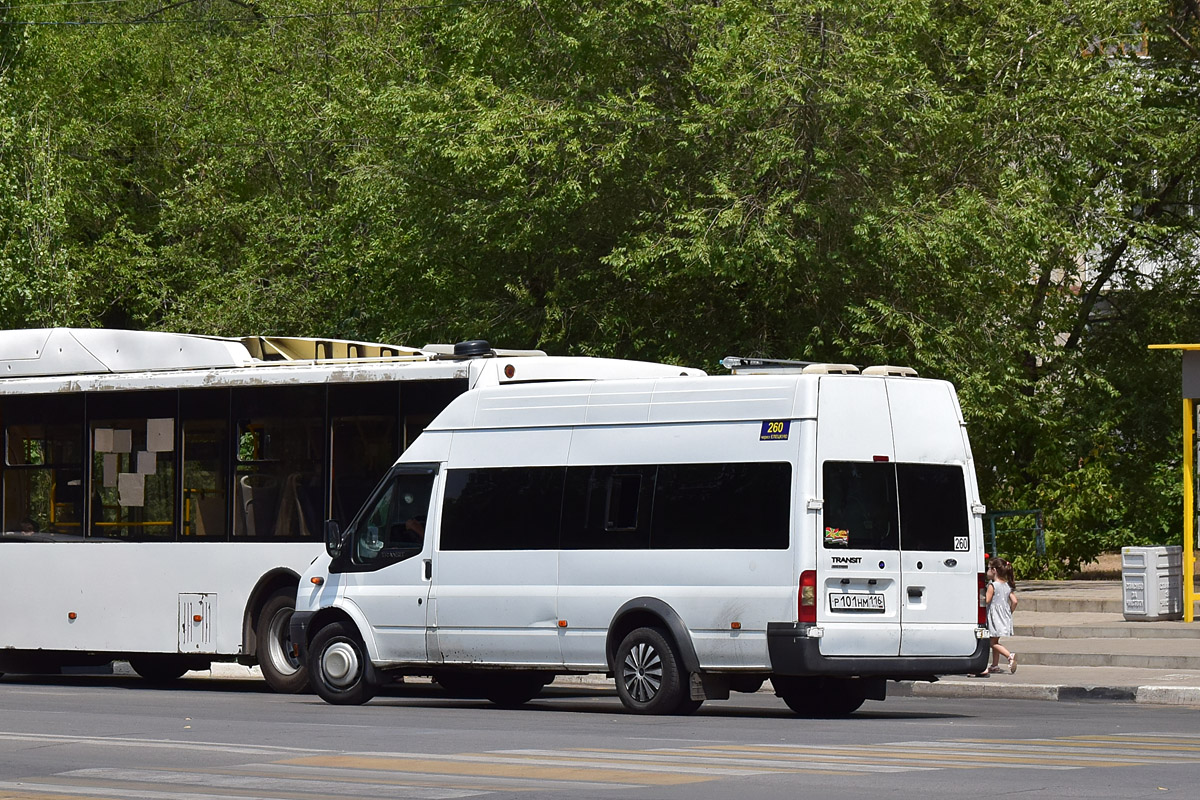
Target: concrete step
[
  {"x": 1070, "y": 604},
  {"x": 1139, "y": 653},
  {"x": 1095, "y": 625}
]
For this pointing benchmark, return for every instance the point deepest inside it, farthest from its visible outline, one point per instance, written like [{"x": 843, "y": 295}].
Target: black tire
[
  {"x": 513, "y": 689},
  {"x": 746, "y": 683},
  {"x": 338, "y": 667},
  {"x": 157, "y": 668},
  {"x": 283, "y": 672},
  {"x": 460, "y": 683},
  {"x": 649, "y": 674},
  {"x": 820, "y": 697}
]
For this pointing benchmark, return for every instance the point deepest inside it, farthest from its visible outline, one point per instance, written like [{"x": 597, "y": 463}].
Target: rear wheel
[
  {"x": 460, "y": 684},
  {"x": 650, "y": 677},
  {"x": 512, "y": 689},
  {"x": 162, "y": 668},
  {"x": 820, "y": 697},
  {"x": 282, "y": 670},
  {"x": 338, "y": 667}
]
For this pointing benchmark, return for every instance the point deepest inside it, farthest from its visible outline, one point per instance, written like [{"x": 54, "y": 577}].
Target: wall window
[
  {"x": 722, "y": 506},
  {"x": 933, "y": 507},
  {"x": 279, "y": 462},
  {"x": 132, "y": 440},
  {"x": 889, "y": 506},
  {"x": 509, "y": 508},
  {"x": 204, "y": 422},
  {"x": 43, "y": 459},
  {"x": 860, "y": 510},
  {"x": 365, "y": 426},
  {"x": 608, "y": 508}
]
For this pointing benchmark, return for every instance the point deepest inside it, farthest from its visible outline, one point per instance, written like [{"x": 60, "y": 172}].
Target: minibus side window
[
  {"x": 744, "y": 506},
  {"x": 608, "y": 507},
  {"x": 505, "y": 508},
  {"x": 394, "y": 528},
  {"x": 860, "y": 506},
  {"x": 933, "y": 507}
]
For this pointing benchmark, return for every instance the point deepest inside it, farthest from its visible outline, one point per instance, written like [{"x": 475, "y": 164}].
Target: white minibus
[{"x": 689, "y": 535}]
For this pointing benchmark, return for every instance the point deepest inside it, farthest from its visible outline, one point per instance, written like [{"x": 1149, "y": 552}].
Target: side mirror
[{"x": 333, "y": 538}]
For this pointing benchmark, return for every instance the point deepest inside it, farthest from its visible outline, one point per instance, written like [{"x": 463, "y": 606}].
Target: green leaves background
[{"x": 997, "y": 193}]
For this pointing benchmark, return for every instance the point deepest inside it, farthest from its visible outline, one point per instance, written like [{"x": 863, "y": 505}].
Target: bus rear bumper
[{"x": 794, "y": 652}]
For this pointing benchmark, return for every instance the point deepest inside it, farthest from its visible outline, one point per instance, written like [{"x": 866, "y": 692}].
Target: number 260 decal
[{"x": 775, "y": 430}]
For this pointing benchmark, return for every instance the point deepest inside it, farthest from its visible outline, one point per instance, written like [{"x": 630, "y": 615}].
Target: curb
[{"x": 1150, "y": 695}]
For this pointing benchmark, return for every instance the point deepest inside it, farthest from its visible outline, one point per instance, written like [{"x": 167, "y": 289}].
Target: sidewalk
[{"x": 1073, "y": 643}]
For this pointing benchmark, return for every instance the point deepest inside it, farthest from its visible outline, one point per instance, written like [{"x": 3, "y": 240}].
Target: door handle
[{"x": 428, "y": 562}]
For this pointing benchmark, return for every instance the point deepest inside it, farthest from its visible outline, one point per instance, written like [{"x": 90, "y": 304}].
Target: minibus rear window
[
  {"x": 933, "y": 507},
  {"x": 889, "y": 506},
  {"x": 860, "y": 506}
]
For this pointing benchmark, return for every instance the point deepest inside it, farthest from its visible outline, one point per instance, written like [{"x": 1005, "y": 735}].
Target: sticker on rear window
[
  {"x": 837, "y": 537},
  {"x": 961, "y": 544},
  {"x": 775, "y": 430}
]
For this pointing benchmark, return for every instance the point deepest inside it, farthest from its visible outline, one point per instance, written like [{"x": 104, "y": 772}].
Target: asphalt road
[{"x": 92, "y": 737}]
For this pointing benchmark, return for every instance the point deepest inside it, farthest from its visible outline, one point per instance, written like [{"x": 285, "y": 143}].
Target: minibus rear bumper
[
  {"x": 793, "y": 651},
  {"x": 299, "y": 633}
]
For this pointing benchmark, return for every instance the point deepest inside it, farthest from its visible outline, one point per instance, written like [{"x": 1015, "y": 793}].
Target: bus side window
[{"x": 43, "y": 466}]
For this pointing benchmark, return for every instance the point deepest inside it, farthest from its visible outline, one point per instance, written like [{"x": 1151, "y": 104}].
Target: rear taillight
[
  {"x": 982, "y": 583},
  {"x": 808, "y": 596}
]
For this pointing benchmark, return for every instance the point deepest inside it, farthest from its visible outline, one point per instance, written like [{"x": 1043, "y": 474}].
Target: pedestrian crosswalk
[{"x": 447, "y": 776}]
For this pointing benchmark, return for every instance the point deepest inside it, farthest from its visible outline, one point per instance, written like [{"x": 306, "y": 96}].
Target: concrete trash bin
[{"x": 1152, "y": 583}]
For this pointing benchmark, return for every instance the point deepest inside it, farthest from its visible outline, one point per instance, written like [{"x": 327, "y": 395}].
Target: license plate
[{"x": 856, "y": 601}]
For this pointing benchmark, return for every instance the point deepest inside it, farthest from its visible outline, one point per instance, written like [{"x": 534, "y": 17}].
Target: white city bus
[
  {"x": 161, "y": 493},
  {"x": 689, "y": 535}
]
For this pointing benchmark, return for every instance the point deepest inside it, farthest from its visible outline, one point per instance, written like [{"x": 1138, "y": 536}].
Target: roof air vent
[
  {"x": 887, "y": 369},
  {"x": 475, "y": 348}
]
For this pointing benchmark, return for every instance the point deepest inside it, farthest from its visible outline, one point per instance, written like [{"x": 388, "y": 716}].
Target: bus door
[
  {"x": 387, "y": 567},
  {"x": 859, "y": 596},
  {"x": 939, "y": 563}
]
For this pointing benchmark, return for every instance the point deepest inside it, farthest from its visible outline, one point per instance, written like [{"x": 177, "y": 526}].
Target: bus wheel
[
  {"x": 649, "y": 677},
  {"x": 338, "y": 667},
  {"x": 160, "y": 668},
  {"x": 819, "y": 697},
  {"x": 281, "y": 669},
  {"x": 513, "y": 689}
]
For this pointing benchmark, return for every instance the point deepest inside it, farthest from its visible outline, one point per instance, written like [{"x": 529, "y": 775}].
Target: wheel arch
[
  {"x": 342, "y": 613},
  {"x": 650, "y": 612},
  {"x": 277, "y": 579}
]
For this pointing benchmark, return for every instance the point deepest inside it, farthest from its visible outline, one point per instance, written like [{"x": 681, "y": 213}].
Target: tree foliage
[{"x": 997, "y": 193}]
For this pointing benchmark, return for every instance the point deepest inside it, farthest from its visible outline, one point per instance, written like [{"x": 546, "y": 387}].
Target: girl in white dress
[{"x": 1001, "y": 603}]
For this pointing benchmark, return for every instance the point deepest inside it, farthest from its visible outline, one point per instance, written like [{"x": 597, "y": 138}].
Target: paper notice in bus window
[
  {"x": 104, "y": 440},
  {"x": 122, "y": 440},
  {"x": 147, "y": 462},
  {"x": 131, "y": 489},
  {"x": 160, "y": 435},
  {"x": 110, "y": 470}
]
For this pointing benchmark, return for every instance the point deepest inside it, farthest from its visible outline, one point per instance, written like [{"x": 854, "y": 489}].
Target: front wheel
[
  {"x": 820, "y": 697},
  {"x": 338, "y": 667},
  {"x": 282, "y": 670},
  {"x": 650, "y": 677}
]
